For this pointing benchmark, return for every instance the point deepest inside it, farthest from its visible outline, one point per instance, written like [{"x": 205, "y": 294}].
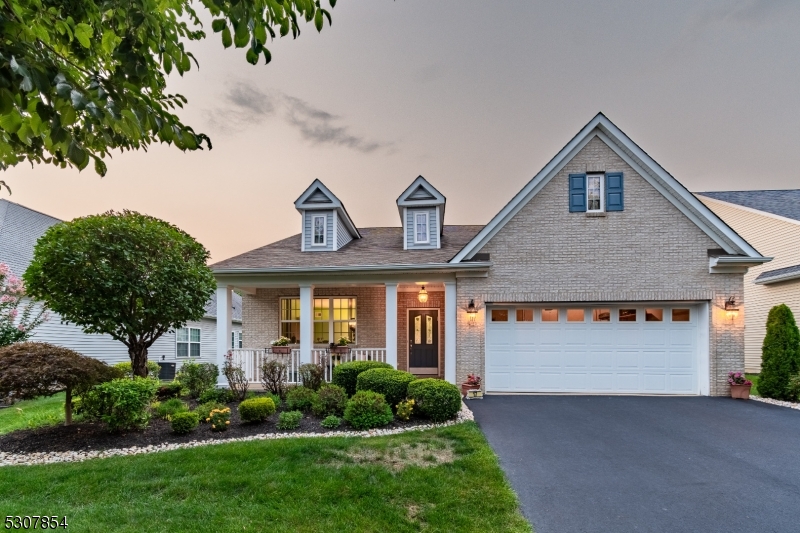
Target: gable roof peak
[
  {"x": 421, "y": 194},
  {"x": 318, "y": 196}
]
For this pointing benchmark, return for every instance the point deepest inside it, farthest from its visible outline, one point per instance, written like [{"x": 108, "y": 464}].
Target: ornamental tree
[
  {"x": 33, "y": 369},
  {"x": 780, "y": 354},
  {"x": 129, "y": 275},
  {"x": 16, "y": 326},
  {"x": 81, "y": 78}
]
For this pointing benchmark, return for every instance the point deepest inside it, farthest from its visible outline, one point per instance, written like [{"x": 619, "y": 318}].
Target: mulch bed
[{"x": 84, "y": 436}]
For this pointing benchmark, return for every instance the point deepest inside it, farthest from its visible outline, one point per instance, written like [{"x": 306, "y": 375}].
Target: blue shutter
[
  {"x": 615, "y": 199},
  {"x": 577, "y": 193}
]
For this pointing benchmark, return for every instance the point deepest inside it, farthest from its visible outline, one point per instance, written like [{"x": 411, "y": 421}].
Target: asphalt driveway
[{"x": 617, "y": 464}]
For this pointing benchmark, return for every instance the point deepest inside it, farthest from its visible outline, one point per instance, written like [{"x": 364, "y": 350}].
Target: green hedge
[
  {"x": 121, "y": 403},
  {"x": 256, "y": 409},
  {"x": 393, "y": 384},
  {"x": 435, "y": 398},
  {"x": 346, "y": 374},
  {"x": 300, "y": 399},
  {"x": 184, "y": 422}
]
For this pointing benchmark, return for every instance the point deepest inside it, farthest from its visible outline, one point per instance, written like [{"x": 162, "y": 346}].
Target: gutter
[
  {"x": 734, "y": 263},
  {"x": 447, "y": 267}
]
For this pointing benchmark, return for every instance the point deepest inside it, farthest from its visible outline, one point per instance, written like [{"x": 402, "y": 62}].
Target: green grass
[
  {"x": 291, "y": 485},
  {"x": 32, "y": 413},
  {"x": 754, "y": 388}
]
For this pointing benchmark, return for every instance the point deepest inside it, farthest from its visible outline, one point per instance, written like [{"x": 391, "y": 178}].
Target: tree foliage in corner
[
  {"x": 80, "y": 78},
  {"x": 129, "y": 275},
  {"x": 780, "y": 354}
]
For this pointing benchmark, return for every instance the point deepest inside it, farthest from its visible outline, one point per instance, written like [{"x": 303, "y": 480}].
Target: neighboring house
[
  {"x": 21, "y": 227},
  {"x": 770, "y": 221},
  {"x": 602, "y": 275}
]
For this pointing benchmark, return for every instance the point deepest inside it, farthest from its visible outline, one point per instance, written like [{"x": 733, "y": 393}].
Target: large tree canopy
[
  {"x": 79, "y": 78},
  {"x": 129, "y": 275}
]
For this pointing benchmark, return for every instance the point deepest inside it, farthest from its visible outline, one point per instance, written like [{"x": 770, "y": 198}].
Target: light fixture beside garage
[
  {"x": 731, "y": 311},
  {"x": 472, "y": 312},
  {"x": 423, "y": 295}
]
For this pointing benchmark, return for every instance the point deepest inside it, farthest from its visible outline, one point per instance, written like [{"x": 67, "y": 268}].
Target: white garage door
[{"x": 628, "y": 349}]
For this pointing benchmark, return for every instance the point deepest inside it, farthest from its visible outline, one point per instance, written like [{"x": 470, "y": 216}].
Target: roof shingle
[{"x": 784, "y": 203}]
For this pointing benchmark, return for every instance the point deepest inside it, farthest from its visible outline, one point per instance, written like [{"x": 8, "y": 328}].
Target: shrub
[
  {"x": 331, "y": 422},
  {"x": 167, "y": 409},
  {"x": 216, "y": 396},
  {"x": 346, "y": 374},
  {"x": 367, "y": 410},
  {"x": 435, "y": 398},
  {"x": 793, "y": 389},
  {"x": 236, "y": 376},
  {"x": 405, "y": 408},
  {"x": 273, "y": 376},
  {"x": 127, "y": 369},
  {"x": 219, "y": 419},
  {"x": 204, "y": 410},
  {"x": 330, "y": 400},
  {"x": 275, "y": 399},
  {"x": 256, "y": 409},
  {"x": 184, "y": 422},
  {"x": 312, "y": 376},
  {"x": 780, "y": 359},
  {"x": 121, "y": 403},
  {"x": 289, "y": 420},
  {"x": 170, "y": 390},
  {"x": 198, "y": 377},
  {"x": 300, "y": 399},
  {"x": 393, "y": 384}
]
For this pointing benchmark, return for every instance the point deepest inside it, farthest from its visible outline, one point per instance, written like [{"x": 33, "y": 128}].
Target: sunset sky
[{"x": 475, "y": 96}]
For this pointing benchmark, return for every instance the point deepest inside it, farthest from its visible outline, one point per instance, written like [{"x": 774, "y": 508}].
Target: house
[
  {"x": 770, "y": 221},
  {"x": 21, "y": 227},
  {"x": 602, "y": 275}
]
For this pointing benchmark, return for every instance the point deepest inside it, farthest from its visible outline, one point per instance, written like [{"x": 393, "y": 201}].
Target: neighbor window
[
  {"x": 290, "y": 319},
  {"x": 653, "y": 315},
  {"x": 499, "y": 315},
  {"x": 594, "y": 192},
  {"x": 549, "y": 315},
  {"x": 319, "y": 230},
  {"x": 334, "y": 318},
  {"x": 601, "y": 315},
  {"x": 188, "y": 342},
  {"x": 236, "y": 339},
  {"x": 680, "y": 315},
  {"x": 627, "y": 315},
  {"x": 524, "y": 315},
  {"x": 575, "y": 315},
  {"x": 421, "y": 227}
]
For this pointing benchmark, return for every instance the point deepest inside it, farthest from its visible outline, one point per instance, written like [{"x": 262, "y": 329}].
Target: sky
[{"x": 475, "y": 96}]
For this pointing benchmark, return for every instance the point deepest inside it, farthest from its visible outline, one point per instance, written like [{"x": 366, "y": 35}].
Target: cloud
[{"x": 246, "y": 104}]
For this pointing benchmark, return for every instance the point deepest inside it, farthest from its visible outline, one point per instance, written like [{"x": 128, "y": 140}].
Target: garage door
[{"x": 630, "y": 349}]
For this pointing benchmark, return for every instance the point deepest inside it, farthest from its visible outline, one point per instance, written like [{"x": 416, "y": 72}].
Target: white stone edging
[
  {"x": 41, "y": 458},
  {"x": 782, "y": 403}
]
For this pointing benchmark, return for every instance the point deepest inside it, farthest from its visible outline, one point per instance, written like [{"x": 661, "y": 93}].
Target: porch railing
[{"x": 251, "y": 360}]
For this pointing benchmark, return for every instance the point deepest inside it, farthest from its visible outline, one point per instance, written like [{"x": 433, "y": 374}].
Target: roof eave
[{"x": 391, "y": 268}]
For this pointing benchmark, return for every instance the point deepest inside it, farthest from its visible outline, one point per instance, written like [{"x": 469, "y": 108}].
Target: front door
[{"x": 423, "y": 341}]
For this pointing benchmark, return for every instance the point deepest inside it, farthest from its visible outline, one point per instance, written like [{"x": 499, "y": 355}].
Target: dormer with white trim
[
  {"x": 421, "y": 209},
  {"x": 326, "y": 225}
]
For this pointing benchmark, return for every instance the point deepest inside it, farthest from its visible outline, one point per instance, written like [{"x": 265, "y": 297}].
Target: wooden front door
[{"x": 423, "y": 341}]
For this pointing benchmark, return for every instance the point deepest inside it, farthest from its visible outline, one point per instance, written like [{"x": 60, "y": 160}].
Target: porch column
[
  {"x": 450, "y": 323},
  {"x": 224, "y": 304},
  {"x": 306, "y": 322},
  {"x": 391, "y": 324}
]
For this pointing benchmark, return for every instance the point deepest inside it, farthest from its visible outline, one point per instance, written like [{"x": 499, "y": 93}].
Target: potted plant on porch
[
  {"x": 471, "y": 385},
  {"x": 340, "y": 346},
  {"x": 281, "y": 346},
  {"x": 740, "y": 386}
]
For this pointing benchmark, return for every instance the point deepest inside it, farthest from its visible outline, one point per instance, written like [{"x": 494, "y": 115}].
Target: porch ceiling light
[
  {"x": 730, "y": 308},
  {"x": 423, "y": 295},
  {"x": 472, "y": 312}
]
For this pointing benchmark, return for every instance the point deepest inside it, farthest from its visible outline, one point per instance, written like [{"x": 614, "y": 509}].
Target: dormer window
[
  {"x": 594, "y": 193},
  {"x": 319, "y": 223},
  {"x": 421, "y": 234}
]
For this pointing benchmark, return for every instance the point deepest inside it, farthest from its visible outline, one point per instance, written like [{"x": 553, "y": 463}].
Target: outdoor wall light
[
  {"x": 731, "y": 311},
  {"x": 472, "y": 312},
  {"x": 423, "y": 295}
]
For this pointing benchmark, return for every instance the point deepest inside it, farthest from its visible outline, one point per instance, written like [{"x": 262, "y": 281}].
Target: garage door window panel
[
  {"x": 549, "y": 315},
  {"x": 499, "y": 315},
  {"x": 654, "y": 315},
  {"x": 524, "y": 315},
  {"x": 681, "y": 315},
  {"x": 575, "y": 315},
  {"x": 627, "y": 315},
  {"x": 601, "y": 315}
]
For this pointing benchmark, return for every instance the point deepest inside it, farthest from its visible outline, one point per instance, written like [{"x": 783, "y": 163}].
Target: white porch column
[
  {"x": 450, "y": 323},
  {"x": 391, "y": 324},
  {"x": 306, "y": 322},
  {"x": 224, "y": 304}
]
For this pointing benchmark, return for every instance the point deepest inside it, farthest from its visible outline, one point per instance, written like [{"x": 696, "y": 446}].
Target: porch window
[
  {"x": 290, "y": 319},
  {"x": 334, "y": 318},
  {"x": 188, "y": 342}
]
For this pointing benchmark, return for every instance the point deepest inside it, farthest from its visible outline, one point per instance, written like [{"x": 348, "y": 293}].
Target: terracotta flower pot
[
  {"x": 282, "y": 350},
  {"x": 740, "y": 391}
]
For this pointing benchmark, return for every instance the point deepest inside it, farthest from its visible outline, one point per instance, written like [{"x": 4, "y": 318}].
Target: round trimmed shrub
[
  {"x": 330, "y": 400},
  {"x": 367, "y": 410},
  {"x": 256, "y": 409},
  {"x": 346, "y": 374},
  {"x": 331, "y": 422},
  {"x": 435, "y": 398},
  {"x": 300, "y": 399},
  {"x": 393, "y": 384},
  {"x": 184, "y": 422},
  {"x": 289, "y": 420}
]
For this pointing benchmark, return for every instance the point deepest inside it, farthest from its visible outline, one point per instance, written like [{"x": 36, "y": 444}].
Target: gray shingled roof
[
  {"x": 785, "y": 203},
  {"x": 211, "y": 307},
  {"x": 779, "y": 274},
  {"x": 378, "y": 246}
]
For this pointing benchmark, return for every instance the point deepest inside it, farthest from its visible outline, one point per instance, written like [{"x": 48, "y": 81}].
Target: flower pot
[
  {"x": 340, "y": 349},
  {"x": 740, "y": 391},
  {"x": 465, "y": 387},
  {"x": 285, "y": 350}
]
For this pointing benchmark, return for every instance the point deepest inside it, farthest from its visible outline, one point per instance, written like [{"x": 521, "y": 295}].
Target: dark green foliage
[
  {"x": 121, "y": 403},
  {"x": 275, "y": 399},
  {"x": 346, "y": 374},
  {"x": 393, "y": 384},
  {"x": 198, "y": 377},
  {"x": 170, "y": 390},
  {"x": 184, "y": 422},
  {"x": 793, "y": 388},
  {"x": 330, "y": 400},
  {"x": 289, "y": 420},
  {"x": 131, "y": 276},
  {"x": 167, "y": 409},
  {"x": 331, "y": 422},
  {"x": 367, "y": 410},
  {"x": 312, "y": 376},
  {"x": 204, "y": 409},
  {"x": 215, "y": 395},
  {"x": 256, "y": 409},
  {"x": 127, "y": 369},
  {"x": 435, "y": 398},
  {"x": 300, "y": 399},
  {"x": 780, "y": 356}
]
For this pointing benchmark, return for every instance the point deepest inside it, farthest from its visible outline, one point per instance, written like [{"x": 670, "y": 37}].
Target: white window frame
[
  {"x": 602, "y": 193},
  {"x": 281, "y": 321},
  {"x": 189, "y": 343},
  {"x": 324, "y": 230},
  {"x": 331, "y": 320},
  {"x": 427, "y": 228},
  {"x": 236, "y": 339}
]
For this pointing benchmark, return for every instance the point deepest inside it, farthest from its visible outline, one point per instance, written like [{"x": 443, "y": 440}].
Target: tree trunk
[
  {"x": 138, "y": 354},
  {"x": 68, "y": 407}
]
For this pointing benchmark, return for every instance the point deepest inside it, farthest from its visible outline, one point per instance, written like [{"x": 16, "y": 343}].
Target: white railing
[{"x": 251, "y": 361}]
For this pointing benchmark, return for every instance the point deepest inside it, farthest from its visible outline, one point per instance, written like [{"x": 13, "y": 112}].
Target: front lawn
[
  {"x": 446, "y": 479},
  {"x": 32, "y": 414}
]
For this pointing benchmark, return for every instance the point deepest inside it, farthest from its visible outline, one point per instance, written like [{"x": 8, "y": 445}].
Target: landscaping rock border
[
  {"x": 15, "y": 459},
  {"x": 782, "y": 403}
]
